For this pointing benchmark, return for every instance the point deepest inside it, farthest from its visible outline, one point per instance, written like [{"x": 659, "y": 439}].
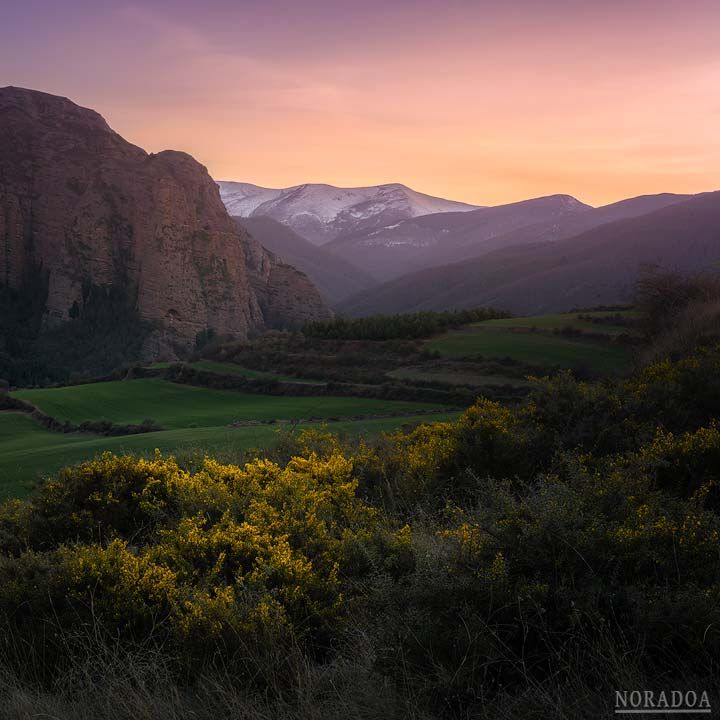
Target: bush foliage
[
  {"x": 398, "y": 327},
  {"x": 569, "y": 542}
]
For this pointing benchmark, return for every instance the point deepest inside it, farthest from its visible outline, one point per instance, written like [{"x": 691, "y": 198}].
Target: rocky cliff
[{"x": 81, "y": 209}]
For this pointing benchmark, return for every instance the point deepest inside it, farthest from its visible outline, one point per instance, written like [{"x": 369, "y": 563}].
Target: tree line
[{"x": 396, "y": 327}]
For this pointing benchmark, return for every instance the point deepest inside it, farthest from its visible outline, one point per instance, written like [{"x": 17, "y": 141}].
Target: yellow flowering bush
[
  {"x": 446, "y": 459},
  {"x": 686, "y": 464},
  {"x": 225, "y": 551},
  {"x": 418, "y": 461},
  {"x": 678, "y": 395}
]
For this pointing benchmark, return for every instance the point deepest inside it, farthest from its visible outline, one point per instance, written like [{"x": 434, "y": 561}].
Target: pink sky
[{"x": 468, "y": 100}]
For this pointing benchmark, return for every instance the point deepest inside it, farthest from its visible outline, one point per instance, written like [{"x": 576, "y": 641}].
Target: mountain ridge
[
  {"x": 430, "y": 240},
  {"x": 596, "y": 267},
  {"x": 321, "y": 213}
]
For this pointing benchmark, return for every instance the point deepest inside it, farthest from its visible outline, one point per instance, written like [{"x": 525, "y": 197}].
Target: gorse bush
[
  {"x": 569, "y": 542},
  {"x": 247, "y": 554}
]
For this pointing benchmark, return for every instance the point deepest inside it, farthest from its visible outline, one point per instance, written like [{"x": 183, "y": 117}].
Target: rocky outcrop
[{"x": 82, "y": 208}]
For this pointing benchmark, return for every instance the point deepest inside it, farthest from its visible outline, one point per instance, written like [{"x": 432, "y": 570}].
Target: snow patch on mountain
[
  {"x": 322, "y": 213},
  {"x": 242, "y": 199}
]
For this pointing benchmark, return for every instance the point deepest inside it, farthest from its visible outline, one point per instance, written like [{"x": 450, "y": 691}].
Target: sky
[{"x": 485, "y": 102}]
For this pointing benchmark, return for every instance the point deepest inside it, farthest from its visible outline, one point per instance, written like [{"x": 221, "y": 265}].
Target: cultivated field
[
  {"x": 173, "y": 405},
  {"x": 29, "y": 452},
  {"x": 565, "y": 341},
  {"x": 225, "y": 368},
  {"x": 197, "y": 420},
  {"x": 582, "y": 321}
]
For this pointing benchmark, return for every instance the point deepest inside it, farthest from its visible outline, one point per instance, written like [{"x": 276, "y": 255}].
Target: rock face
[{"x": 80, "y": 207}]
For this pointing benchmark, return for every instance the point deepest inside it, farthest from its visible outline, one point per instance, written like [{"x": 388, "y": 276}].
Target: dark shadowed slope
[
  {"x": 434, "y": 240},
  {"x": 572, "y": 224},
  {"x": 594, "y": 268},
  {"x": 334, "y": 277},
  {"x": 449, "y": 238}
]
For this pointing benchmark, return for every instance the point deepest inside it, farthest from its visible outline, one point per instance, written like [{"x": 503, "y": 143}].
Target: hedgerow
[{"x": 403, "y": 326}]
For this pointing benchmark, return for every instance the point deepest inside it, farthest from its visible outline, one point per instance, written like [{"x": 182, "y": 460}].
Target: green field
[
  {"x": 531, "y": 340},
  {"x": 558, "y": 321},
  {"x": 28, "y": 452},
  {"x": 176, "y": 406},
  {"x": 221, "y": 368},
  {"x": 196, "y": 419},
  {"x": 456, "y": 378}
]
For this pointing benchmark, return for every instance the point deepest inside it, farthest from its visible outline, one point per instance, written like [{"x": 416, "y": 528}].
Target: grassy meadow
[
  {"x": 196, "y": 420},
  {"x": 541, "y": 341},
  {"x": 176, "y": 406},
  {"x": 28, "y": 452}
]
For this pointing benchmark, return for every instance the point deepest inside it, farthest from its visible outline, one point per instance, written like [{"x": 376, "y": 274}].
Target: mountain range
[
  {"x": 322, "y": 213},
  {"x": 335, "y": 277},
  {"x": 548, "y": 253},
  {"x": 597, "y": 266},
  {"x": 441, "y": 238},
  {"x": 95, "y": 232}
]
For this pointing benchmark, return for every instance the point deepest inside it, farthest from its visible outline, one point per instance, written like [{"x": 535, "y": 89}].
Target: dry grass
[{"x": 104, "y": 681}]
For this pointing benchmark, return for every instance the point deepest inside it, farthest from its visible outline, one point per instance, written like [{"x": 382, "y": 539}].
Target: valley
[
  {"x": 345, "y": 452},
  {"x": 493, "y": 357}
]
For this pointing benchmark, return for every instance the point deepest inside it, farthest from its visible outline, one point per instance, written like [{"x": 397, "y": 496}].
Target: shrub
[
  {"x": 568, "y": 543},
  {"x": 187, "y": 556}
]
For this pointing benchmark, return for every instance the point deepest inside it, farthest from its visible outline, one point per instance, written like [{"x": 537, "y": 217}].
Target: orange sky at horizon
[{"x": 465, "y": 100}]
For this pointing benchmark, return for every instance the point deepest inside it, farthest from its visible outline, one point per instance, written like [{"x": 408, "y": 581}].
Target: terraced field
[
  {"x": 474, "y": 379},
  {"x": 578, "y": 321},
  {"x": 225, "y": 368},
  {"x": 537, "y": 341}
]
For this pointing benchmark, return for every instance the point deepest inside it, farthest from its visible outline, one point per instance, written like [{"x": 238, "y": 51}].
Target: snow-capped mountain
[{"x": 321, "y": 213}]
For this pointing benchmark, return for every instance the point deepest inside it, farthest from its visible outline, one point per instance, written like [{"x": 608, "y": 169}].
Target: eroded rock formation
[{"x": 82, "y": 208}]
